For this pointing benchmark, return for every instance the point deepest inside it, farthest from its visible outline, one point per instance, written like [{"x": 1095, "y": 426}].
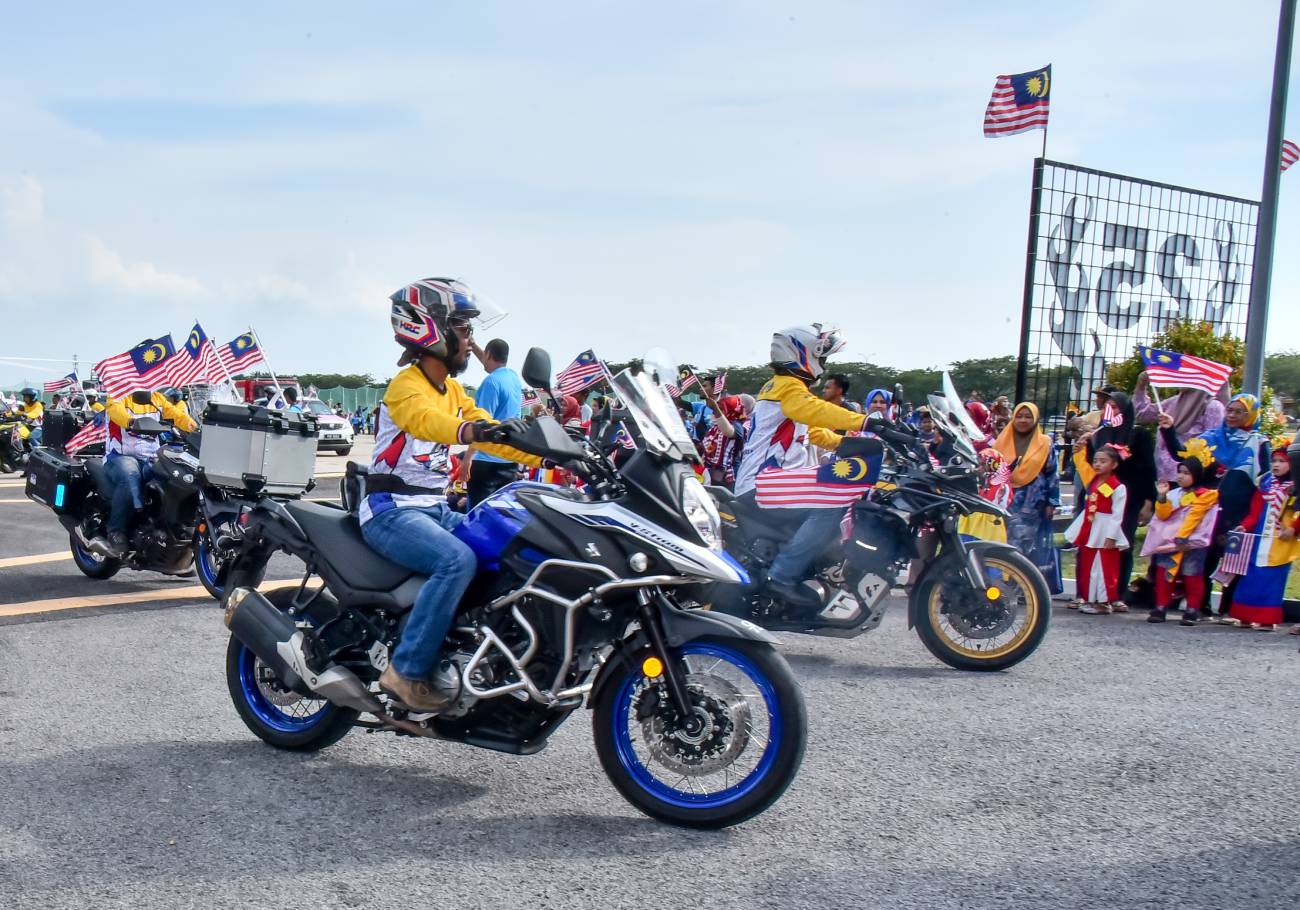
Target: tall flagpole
[
  {"x": 1262, "y": 273},
  {"x": 266, "y": 360}
]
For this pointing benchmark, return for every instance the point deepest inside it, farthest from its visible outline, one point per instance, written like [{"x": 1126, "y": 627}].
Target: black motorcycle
[
  {"x": 581, "y": 597},
  {"x": 186, "y": 524},
  {"x": 976, "y": 604},
  {"x": 15, "y": 444}
]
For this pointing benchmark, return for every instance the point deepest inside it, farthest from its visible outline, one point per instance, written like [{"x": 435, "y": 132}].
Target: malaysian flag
[
  {"x": 240, "y": 354},
  {"x": 585, "y": 370},
  {"x": 1290, "y": 153},
  {"x": 624, "y": 438},
  {"x": 685, "y": 379},
  {"x": 719, "y": 383},
  {"x": 145, "y": 366},
  {"x": 1169, "y": 369},
  {"x": 1019, "y": 103},
  {"x": 836, "y": 484},
  {"x": 67, "y": 382},
  {"x": 95, "y": 430},
  {"x": 196, "y": 361},
  {"x": 1236, "y": 556}
]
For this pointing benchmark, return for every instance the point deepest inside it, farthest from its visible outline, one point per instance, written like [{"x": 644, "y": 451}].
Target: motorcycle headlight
[{"x": 702, "y": 514}]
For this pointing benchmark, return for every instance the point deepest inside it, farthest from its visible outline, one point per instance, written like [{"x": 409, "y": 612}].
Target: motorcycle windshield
[
  {"x": 949, "y": 412},
  {"x": 656, "y": 416}
]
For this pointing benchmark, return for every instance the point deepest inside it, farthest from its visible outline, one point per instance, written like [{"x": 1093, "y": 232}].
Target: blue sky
[{"x": 614, "y": 175}]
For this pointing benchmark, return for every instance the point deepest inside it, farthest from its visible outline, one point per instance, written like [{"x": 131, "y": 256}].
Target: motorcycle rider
[
  {"x": 785, "y": 417},
  {"x": 33, "y": 411},
  {"x": 175, "y": 396},
  {"x": 93, "y": 404},
  {"x": 405, "y": 515},
  {"x": 128, "y": 456}
]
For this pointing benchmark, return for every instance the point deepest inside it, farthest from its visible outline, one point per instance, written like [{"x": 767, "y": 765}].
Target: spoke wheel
[
  {"x": 728, "y": 759},
  {"x": 990, "y": 629}
]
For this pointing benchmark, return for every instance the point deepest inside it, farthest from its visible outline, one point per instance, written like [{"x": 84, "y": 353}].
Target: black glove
[{"x": 506, "y": 430}]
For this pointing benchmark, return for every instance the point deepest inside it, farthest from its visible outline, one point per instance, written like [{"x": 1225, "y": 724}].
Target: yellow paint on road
[
  {"x": 189, "y": 592},
  {"x": 32, "y": 560}
]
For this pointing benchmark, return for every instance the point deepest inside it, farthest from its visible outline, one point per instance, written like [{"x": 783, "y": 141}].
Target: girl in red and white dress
[{"x": 1097, "y": 533}]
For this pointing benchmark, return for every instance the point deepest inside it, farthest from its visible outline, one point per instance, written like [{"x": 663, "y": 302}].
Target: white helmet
[{"x": 802, "y": 349}]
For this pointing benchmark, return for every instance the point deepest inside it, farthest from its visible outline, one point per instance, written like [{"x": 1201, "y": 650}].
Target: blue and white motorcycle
[{"x": 581, "y": 598}]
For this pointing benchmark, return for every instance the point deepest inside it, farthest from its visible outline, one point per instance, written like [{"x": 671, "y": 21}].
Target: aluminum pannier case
[{"x": 258, "y": 450}]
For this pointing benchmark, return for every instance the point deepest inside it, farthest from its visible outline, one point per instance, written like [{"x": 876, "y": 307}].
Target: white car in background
[{"x": 335, "y": 432}]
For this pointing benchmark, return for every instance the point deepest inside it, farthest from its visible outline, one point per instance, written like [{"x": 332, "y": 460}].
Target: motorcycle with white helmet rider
[{"x": 786, "y": 416}]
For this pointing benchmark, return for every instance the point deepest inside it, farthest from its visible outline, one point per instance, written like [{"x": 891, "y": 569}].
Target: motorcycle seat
[
  {"x": 759, "y": 522},
  {"x": 337, "y": 534}
]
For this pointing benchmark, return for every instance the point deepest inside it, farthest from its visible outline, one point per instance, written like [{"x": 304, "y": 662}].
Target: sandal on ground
[
  {"x": 1095, "y": 609},
  {"x": 1076, "y": 604},
  {"x": 1118, "y": 606},
  {"x": 1263, "y": 626},
  {"x": 1295, "y": 630}
]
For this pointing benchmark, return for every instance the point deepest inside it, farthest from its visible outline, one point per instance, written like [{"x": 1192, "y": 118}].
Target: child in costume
[
  {"x": 1274, "y": 518},
  {"x": 1097, "y": 533},
  {"x": 1178, "y": 538}
]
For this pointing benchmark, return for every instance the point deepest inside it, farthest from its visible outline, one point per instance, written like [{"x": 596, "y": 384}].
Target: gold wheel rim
[{"x": 1013, "y": 580}]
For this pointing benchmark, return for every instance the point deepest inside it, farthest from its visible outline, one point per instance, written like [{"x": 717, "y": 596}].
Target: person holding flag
[
  {"x": 786, "y": 416},
  {"x": 1271, "y": 528},
  {"x": 1199, "y": 397}
]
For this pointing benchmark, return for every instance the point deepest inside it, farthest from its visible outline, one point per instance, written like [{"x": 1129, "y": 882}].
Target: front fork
[{"x": 673, "y": 671}]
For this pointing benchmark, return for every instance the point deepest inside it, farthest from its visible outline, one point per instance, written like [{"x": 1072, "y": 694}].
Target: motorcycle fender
[
  {"x": 680, "y": 626},
  {"x": 978, "y": 547}
]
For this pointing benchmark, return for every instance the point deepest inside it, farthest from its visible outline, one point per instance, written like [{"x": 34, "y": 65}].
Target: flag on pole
[
  {"x": 1290, "y": 153},
  {"x": 1019, "y": 103},
  {"x": 196, "y": 361},
  {"x": 836, "y": 484},
  {"x": 145, "y": 366},
  {"x": 585, "y": 370},
  {"x": 719, "y": 383},
  {"x": 1169, "y": 369},
  {"x": 240, "y": 354},
  {"x": 67, "y": 382},
  {"x": 530, "y": 398},
  {"x": 95, "y": 430},
  {"x": 685, "y": 379}
]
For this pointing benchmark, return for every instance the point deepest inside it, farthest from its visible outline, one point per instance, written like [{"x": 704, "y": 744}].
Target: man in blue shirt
[{"x": 501, "y": 395}]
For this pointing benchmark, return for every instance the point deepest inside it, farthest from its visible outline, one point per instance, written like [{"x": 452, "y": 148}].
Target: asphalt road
[{"x": 1124, "y": 765}]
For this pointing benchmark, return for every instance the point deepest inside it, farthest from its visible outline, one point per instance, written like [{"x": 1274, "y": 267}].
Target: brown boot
[{"x": 418, "y": 694}]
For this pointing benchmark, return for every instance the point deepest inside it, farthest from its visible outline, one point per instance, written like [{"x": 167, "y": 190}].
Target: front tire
[
  {"x": 212, "y": 571},
  {"x": 961, "y": 627},
  {"x": 92, "y": 565},
  {"x": 276, "y": 715},
  {"x": 737, "y": 767}
]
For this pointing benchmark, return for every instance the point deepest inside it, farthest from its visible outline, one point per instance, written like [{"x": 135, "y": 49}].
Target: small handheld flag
[
  {"x": 58, "y": 385},
  {"x": 1236, "y": 556},
  {"x": 1169, "y": 369},
  {"x": 585, "y": 370},
  {"x": 1019, "y": 103}
]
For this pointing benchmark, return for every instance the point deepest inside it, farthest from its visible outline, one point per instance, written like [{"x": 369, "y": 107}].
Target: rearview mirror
[{"x": 537, "y": 369}]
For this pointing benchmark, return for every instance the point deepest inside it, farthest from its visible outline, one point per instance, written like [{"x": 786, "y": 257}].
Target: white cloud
[{"x": 107, "y": 269}]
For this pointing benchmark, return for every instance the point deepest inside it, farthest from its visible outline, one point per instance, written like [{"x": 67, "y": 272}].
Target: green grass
[{"x": 1070, "y": 557}]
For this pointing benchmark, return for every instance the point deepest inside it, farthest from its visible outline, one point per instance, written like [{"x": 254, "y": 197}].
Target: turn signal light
[{"x": 652, "y": 667}]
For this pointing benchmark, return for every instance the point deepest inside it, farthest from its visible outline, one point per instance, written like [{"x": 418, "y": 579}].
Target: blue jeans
[
  {"x": 421, "y": 540},
  {"x": 128, "y": 475},
  {"x": 816, "y": 532}
]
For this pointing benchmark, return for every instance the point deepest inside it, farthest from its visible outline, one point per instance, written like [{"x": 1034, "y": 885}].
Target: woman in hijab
[
  {"x": 1241, "y": 455},
  {"x": 1137, "y": 469},
  {"x": 1036, "y": 492},
  {"x": 878, "y": 401},
  {"x": 1194, "y": 412}
]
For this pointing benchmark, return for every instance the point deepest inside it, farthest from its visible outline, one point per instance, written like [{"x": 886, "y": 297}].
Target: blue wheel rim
[
  {"x": 267, "y": 711},
  {"x": 684, "y": 799},
  {"x": 89, "y": 558},
  {"x": 204, "y": 553}
]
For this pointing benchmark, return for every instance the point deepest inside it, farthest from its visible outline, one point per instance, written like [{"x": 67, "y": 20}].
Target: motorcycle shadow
[
  {"x": 822, "y": 667},
  {"x": 214, "y": 810}
]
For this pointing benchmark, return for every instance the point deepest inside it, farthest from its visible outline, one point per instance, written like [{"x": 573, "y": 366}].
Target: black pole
[
  {"x": 1262, "y": 272},
  {"x": 1031, "y": 264}
]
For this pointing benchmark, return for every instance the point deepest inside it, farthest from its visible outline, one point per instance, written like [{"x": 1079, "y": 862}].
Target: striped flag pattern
[
  {"x": 95, "y": 430},
  {"x": 584, "y": 371},
  {"x": 240, "y": 353},
  {"x": 1290, "y": 153},
  {"x": 1169, "y": 369},
  {"x": 1020, "y": 102},
  {"x": 145, "y": 366},
  {"x": 719, "y": 383},
  {"x": 836, "y": 484},
  {"x": 1236, "y": 556},
  {"x": 196, "y": 361},
  {"x": 67, "y": 382}
]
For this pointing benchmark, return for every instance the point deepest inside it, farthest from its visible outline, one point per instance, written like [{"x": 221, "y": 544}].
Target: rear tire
[
  {"x": 272, "y": 723},
  {"x": 92, "y": 565},
  {"x": 653, "y": 787}
]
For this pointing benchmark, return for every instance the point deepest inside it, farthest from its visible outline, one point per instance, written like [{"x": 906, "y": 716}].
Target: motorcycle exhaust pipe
[{"x": 273, "y": 637}]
